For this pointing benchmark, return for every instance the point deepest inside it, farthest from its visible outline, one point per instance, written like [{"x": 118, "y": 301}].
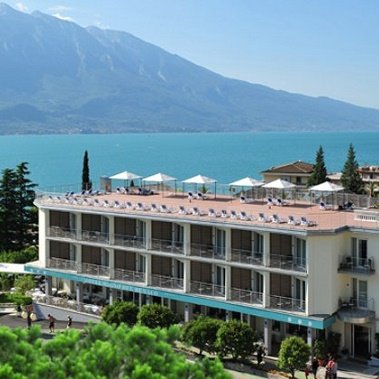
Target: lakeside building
[{"x": 284, "y": 269}]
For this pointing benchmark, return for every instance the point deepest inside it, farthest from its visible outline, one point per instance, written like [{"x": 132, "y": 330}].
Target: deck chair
[
  {"x": 129, "y": 205},
  {"x": 196, "y": 211},
  {"x": 163, "y": 208},
  {"x": 154, "y": 208},
  {"x": 292, "y": 221},
  {"x": 212, "y": 213},
  {"x": 243, "y": 216},
  {"x": 242, "y": 199},
  {"x": 263, "y": 218},
  {"x": 182, "y": 210},
  {"x": 233, "y": 215},
  {"x": 224, "y": 214}
]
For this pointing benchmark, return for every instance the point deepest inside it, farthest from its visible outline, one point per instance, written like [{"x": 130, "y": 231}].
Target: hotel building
[{"x": 283, "y": 269}]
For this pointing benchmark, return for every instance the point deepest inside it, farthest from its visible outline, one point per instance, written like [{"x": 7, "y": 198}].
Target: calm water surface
[{"x": 57, "y": 159}]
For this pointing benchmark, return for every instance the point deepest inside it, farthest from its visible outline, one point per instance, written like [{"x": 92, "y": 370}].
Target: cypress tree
[
  {"x": 319, "y": 170},
  {"x": 350, "y": 178},
  {"x": 86, "y": 181}
]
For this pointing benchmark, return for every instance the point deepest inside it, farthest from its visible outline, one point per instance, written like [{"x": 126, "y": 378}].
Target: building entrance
[{"x": 361, "y": 341}]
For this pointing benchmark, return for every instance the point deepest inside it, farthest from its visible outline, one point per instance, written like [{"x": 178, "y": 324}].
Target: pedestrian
[
  {"x": 331, "y": 368},
  {"x": 69, "y": 322},
  {"x": 260, "y": 354},
  {"x": 315, "y": 364},
  {"x": 29, "y": 320},
  {"x": 51, "y": 322}
]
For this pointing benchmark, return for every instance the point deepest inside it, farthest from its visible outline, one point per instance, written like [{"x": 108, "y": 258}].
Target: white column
[
  {"x": 266, "y": 289},
  {"x": 148, "y": 224},
  {"x": 187, "y": 239},
  {"x": 187, "y": 312},
  {"x": 228, "y": 315},
  {"x": 228, "y": 245},
  {"x": 111, "y": 263},
  {"x": 78, "y": 217},
  {"x": 79, "y": 259},
  {"x": 187, "y": 275},
  {"x": 48, "y": 285},
  {"x": 79, "y": 294},
  {"x": 112, "y": 296},
  {"x": 228, "y": 282},
  {"x": 111, "y": 230},
  {"x": 148, "y": 269},
  {"x": 43, "y": 222},
  {"x": 266, "y": 249},
  {"x": 267, "y": 335},
  {"x": 309, "y": 337}
]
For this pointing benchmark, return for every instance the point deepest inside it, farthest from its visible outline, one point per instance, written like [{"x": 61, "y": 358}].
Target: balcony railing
[
  {"x": 360, "y": 302},
  {"x": 128, "y": 275},
  {"x": 93, "y": 269},
  {"x": 167, "y": 246},
  {"x": 247, "y": 256},
  {"x": 130, "y": 241},
  {"x": 348, "y": 263},
  {"x": 58, "y": 231},
  {"x": 287, "y": 262},
  {"x": 167, "y": 282},
  {"x": 207, "y": 289},
  {"x": 62, "y": 264},
  {"x": 246, "y": 296},
  {"x": 207, "y": 251},
  {"x": 95, "y": 236},
  {"x": 286, "y": 303}
]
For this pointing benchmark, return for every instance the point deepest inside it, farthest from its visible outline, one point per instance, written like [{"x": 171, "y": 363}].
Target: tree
[
  {"x": 202, "y": 333},
  {"x": 350, "y": 178},
  {"x": 102, "y": 351},
  {"x": 24, "y": 283},
  {"x": 18, "y": 215},
  {"x": 293, "y": 355},
  {"x": 120, "y": 311},
  {"x": 319, "y": 170},
  {"x": 235, "y": 338},
  {"x": 156, "y": 316},
  {"x": 86, "y": 181}
]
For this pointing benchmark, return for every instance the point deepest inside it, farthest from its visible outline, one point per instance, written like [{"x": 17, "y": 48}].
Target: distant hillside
[{"x": 57, "y": 77}]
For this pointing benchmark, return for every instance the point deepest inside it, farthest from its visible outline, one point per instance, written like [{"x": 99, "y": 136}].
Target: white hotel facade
[{"x": 282, "y": 277}]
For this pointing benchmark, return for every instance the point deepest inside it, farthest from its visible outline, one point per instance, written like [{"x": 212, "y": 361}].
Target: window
[
  {"x": 258, "y": 245},
  {"x": 300, "y": 293},
  {"x": 220, "y": 242},
  {"x": 359, "y": 252},
  {"x": 360, "y": 293},
  {"x": 220, "y": 279},
  {"x": 300, "y": 253}
]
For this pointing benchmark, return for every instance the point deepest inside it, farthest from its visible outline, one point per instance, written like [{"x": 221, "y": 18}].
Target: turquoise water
[{"x": 57, "y": 159}]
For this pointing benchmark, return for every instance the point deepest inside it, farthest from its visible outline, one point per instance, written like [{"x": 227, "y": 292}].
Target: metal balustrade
[
  {"x": 287, "y": 262},
  {"x": 95, "y": 236},
  {"x": 167, "y": 246},
  {"x": 129, "y": 241},
  {"x": 128, "y": 275},
  {"x": 247, "y": 256},
  {"x": 93, "y": 269},
  {"x": 62, "y": 264},
  {"x": 208, "y": 289},
  {"x": 246, "y": 296},
  {"x": 60, "y": 232},
  {"x": 349, "y": 263},
  {"x": 286, "y": 303},
  {"x": 167, "y": 282},
  {"x": 208, "y": 251}
]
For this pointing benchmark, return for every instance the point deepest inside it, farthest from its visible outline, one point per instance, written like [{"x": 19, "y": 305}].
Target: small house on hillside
[{"x": 296, "y": 172}]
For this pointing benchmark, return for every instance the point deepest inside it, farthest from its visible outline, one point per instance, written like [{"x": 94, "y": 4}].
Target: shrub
[
  {"x": 235, "y": 338},
  {"x": 202, "y": 333},
  {"x": 120, "y": 311},
  {"x": 156, "y": 316},
  {"x": 293, "y": 355}
]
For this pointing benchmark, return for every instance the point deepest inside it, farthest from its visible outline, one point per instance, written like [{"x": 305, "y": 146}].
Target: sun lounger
[
  {"x": 270, "y": 203},
  {"x": 242, "y": 199},
  {"x": 276, "y": 219},
  {"x": 263, "y": 218},
  {"x": 129, "y": 205},
  {"x": 305, "y": 222},
  {"x": 292, "y": 221},
  {"x": 212, "y": 213},
  {"x": 233, "y": 215},
  {"x": 224, "y": 214},
  {"x": 182, "y": 210},
  {"x": 163, "y": 208},
  {"x": 196, "y": 211},
  {"x": 200, "y": 196},
  {"x": 243, "y": 216},
  {"x": 154, "y": 208}
]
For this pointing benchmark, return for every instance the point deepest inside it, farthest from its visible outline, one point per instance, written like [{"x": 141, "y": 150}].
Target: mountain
[{"x": 57, "y": 77}]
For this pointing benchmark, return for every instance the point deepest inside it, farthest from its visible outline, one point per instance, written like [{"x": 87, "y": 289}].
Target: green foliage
[
  {"x": 18, "y": 216},
  {"x": 156, "y": 316},
  {"x": 120, "y": 311},
  {"x": 24, "y": 283},
  {"x": 293, "y": 355},
  {"x": 86, "y": 181},
  {"x": 319, "y": 170},
  {"x": 235, "y": 338},
  {"x": 23, "y": 256},
  {"x": 319, "y": 349},
  {"x": 202, "y": 333},
  {"x": 15, "y": 298},
  {"x": 102, "y": 351},
  {"x": 350, "y": 178}
]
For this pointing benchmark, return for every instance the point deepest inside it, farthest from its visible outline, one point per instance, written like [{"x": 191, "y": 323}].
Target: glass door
[
  {"x": 220, "y": 279},
  {"x": 360, "y": 293},
  {"x": 220, "y": 242}
]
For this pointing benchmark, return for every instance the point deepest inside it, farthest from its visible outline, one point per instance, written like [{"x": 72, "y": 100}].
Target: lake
[{"x": 57, "y": 159}]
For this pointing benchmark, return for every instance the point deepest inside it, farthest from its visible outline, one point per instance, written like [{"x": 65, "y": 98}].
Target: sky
[{"x": 317, "y": 48}]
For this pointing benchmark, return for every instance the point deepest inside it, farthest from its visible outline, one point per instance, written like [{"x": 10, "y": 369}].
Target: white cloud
[
  {"x": 21, "y": 7},
  {"x": 63, "y": 17},
  {"x": 60, "y": 8}
]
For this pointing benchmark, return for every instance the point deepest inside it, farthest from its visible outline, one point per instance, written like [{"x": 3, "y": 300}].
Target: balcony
[
  {"x": 59, "y": 232},
  {"x": 95, "y": 236},
  {"x": 289, "y": 304},
  {"x": 167, "y": 246},
  {"x": 207, "y": 289},
  {"x": 62, "y": 264},
  {"x": 94, "y": 270},
  {"x": 208, "y": 251},
  {"x": 130, "y": 241},
  {"x": 128, "y": 275},
  {"x": 287, "y": 262},
  {"x": 356, "y": 311},
  {"x": 247, "y": 256},
  {"x": 350, "y": 264},
  {"x": 167, "y": 282},
  {"x": 246, "y": 296}
]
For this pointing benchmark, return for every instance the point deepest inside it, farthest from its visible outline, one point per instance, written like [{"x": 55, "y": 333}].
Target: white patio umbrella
[
  {"x": 247, "y": 182},
  {"x": 200, "y": 179},
  {"x": 280, "y": 184},
  {"x": 160, "y": 178},
  {"x": 326, "y": 187},
  {"x": 126, "y": 176}
]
